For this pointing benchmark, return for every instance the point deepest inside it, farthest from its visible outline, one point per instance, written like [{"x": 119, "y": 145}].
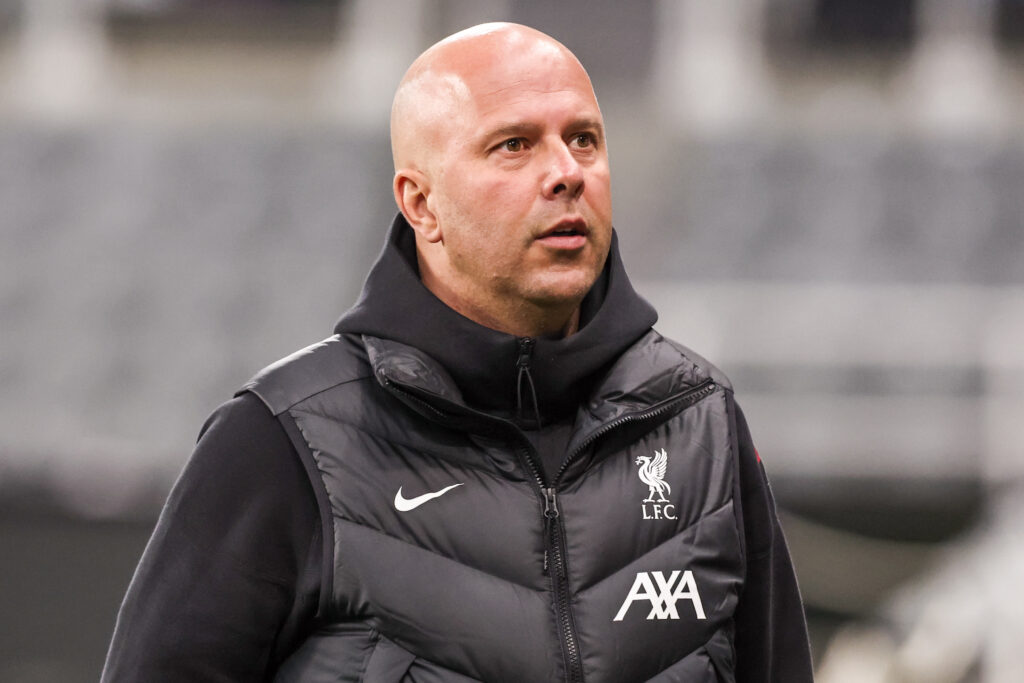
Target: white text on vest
[{"x": 663, "y": 598}]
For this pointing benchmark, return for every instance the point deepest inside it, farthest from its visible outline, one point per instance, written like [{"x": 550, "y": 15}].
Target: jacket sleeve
[
  {"x": 771, "y": 631},
  {"x": 229, "y": 578}
]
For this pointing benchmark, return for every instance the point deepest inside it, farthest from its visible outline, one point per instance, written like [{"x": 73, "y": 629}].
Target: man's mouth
[{"x": 567, "y": 234}]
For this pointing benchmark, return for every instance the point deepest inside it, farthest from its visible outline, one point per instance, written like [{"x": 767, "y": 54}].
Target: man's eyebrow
[
  {"x": 510, "y": 130},
  {"x": 588, "y": 123}
]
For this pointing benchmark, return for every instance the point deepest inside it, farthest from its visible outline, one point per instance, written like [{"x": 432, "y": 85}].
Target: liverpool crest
[{"x": 652, "y": 472}]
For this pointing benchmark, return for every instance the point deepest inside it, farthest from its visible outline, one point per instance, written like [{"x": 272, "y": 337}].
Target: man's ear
[{"x": 412, "y": 189}]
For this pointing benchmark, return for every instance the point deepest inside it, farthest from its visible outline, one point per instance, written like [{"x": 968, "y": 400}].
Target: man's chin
[{"x": 564, "y": 291}]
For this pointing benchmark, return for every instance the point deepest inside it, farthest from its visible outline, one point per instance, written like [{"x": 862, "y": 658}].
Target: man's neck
[
  {"x": 521, "y": 319},
  {"x": 525, "y": 320}
]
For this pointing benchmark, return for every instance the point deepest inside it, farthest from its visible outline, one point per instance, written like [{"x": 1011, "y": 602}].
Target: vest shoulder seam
[
  {"x": 320, "y": 367},
  {"x": 699, "y": 362}
]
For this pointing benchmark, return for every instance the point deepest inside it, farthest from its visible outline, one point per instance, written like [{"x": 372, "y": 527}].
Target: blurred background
[{"x": 825, "y": 197}]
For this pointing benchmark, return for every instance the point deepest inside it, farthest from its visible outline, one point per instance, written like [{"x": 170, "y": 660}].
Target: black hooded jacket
[{"x": 232, "y": 582}]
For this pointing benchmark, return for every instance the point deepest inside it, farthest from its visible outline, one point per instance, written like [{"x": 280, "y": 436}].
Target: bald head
[
  {"x": 449, "y": 76},
  {"x": 501, "y": 171}
]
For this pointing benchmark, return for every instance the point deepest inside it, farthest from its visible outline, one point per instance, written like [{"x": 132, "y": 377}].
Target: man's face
[{"x": 521, "y": 189}]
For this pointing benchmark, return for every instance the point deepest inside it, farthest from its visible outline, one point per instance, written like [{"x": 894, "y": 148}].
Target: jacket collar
[
  {"x": 653, "y": 376},
  {"x": 478, "y": 363}
]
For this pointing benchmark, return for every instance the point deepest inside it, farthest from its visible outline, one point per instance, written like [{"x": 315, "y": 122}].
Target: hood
[{"x": 482, "y": 362}]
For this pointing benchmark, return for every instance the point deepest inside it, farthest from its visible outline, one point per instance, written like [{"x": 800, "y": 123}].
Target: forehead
[
  {"x": 459, "y": 90},
  {"x": 533, "y": 84}
]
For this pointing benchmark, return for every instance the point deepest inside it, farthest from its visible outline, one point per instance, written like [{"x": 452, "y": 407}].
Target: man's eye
[
  {"x": 583, "y": 140},
  {"x": 513, "y": 145}
]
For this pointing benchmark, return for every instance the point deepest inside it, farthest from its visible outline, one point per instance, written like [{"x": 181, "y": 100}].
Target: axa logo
[
  {"x": 652, "y": 472},
  {"x": 663, "y": 594}
]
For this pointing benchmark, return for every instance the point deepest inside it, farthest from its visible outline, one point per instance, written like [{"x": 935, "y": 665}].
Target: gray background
[{"x": 822, "y": 196}]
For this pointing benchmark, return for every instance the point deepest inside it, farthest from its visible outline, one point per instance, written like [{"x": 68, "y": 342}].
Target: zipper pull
[
  {"x": 550, "y": 514},
  {"x": 525, "y": 351},
  {"x": 550, "y": 505}
]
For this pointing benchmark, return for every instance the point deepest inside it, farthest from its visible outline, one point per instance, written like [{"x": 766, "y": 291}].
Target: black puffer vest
[{"x": 449, "y": 556}]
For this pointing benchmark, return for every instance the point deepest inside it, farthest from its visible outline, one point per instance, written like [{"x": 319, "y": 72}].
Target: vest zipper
[
  {"x": 554, "y": 549},
  {"x": 560, "y": 588},
  {"x": 554, "y": 567}
]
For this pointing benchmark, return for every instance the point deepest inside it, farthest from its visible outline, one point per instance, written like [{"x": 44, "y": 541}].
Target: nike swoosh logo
[{"x": 405, "y": 504}]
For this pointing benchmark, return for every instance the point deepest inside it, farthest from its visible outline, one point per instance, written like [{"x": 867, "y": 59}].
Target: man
[{"x": 495, "y": 470}]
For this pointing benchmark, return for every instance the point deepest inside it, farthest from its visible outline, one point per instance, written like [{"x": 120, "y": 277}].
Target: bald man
[{"x": 495, "y": 470}]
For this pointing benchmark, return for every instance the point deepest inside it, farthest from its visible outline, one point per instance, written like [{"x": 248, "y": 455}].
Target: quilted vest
[{"x": 450, "y": 557}]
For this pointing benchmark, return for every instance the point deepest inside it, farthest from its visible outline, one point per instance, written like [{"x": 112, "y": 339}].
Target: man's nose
[{"x": 565, "y": 175}]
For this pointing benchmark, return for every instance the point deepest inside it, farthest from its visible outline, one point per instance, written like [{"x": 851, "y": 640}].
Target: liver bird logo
[{"x": 652, "y": 473}]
